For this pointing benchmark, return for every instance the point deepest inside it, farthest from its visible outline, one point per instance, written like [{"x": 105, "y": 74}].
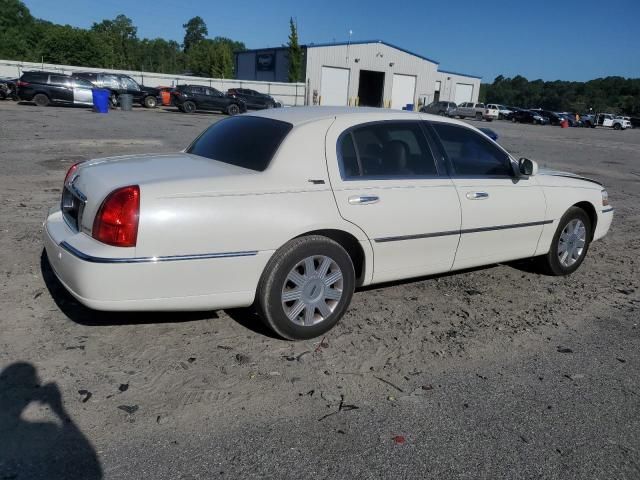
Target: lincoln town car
[{"x": 290, "y": 210}]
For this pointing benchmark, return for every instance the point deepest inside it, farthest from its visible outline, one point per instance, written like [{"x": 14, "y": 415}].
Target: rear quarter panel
[{"x": 259, "y": 212}]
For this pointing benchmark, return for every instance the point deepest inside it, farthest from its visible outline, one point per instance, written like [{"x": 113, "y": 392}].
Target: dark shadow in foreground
[
  {"x": 86, "y": 316},
  {"x": 40, "y": 449}
]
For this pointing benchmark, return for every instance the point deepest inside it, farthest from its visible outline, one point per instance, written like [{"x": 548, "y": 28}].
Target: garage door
[
  {"x": 403, "y": 90},
  {"x": 464, "y": 93},
  {"x": 334, "y": 86}
]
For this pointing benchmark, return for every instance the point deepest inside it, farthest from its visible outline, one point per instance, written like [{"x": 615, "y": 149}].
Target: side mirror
[{"x": 527, "y": 168}]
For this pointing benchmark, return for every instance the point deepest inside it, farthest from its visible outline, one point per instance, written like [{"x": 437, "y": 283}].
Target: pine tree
[{"x": 295, "y": 54}]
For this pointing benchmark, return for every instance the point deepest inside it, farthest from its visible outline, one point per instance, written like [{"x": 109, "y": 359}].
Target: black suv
[
  {"x": 189, "y": 98},
  {"x": 118, "y": 84},
  {"x": 43, "y": 88},
  {"x": 253, "y": 100}
]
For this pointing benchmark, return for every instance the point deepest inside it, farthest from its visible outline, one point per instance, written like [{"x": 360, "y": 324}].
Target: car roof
[
  {"x": 302, "y": 115},
  {"x": 45, "y": 72}
]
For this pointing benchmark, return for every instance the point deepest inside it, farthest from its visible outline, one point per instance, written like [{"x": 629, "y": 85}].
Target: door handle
[
  {"x": 477, "y": 195},
  {"x": 363, "y": 199}
]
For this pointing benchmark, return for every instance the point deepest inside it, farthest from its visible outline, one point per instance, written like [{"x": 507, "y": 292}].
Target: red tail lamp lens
[
  {"x": 117, "y": 220},
  {"x": 71, "y": 171}
]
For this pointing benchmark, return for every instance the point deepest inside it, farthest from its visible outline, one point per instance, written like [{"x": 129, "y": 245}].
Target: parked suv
[
  {"x": 189, "y": 98},
  {"x": 528, "y": 116},
  {"x": 44, "y": 88},
  {"x": 439, "y": 108},
  {"x": 470, "y": 109},
  {"x": 118, "y": 84},
  {"x": 253, "y": 99}
]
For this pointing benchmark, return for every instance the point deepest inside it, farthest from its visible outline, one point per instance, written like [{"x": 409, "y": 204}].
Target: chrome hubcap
[
  {"x": 571, "y": 242},
  {"x": 312, "y": 290}
]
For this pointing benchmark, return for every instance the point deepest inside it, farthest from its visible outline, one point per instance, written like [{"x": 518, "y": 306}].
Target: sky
[{"x": 547, "y": 39}]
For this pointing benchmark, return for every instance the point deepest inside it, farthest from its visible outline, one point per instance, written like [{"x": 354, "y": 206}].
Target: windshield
[{"x": 244, "y": 141}]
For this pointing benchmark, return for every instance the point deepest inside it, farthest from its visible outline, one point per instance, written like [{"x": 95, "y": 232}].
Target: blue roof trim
[
  {"x": 458, "y": 73},
  {"x": 362, "y": 42}
]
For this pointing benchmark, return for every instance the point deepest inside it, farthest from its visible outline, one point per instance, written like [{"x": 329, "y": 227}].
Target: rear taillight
[
  {"x": 117, "y": 220},
  {"x": 71, "y": 171},
  {"x": 20, "y": 83}
]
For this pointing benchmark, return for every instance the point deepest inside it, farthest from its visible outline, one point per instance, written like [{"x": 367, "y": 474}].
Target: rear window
[
  {"x": 248, "y": 142},
  {"x": 36, "y": 77}
]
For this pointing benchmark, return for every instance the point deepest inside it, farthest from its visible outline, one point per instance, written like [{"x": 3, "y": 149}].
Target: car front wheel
[
  {"x": 570, "y": 243},
  {"x": 306, "y": 287},
  {"x": 233, "y": 109}
]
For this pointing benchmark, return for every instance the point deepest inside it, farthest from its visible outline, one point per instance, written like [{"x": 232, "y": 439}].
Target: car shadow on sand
[
  {"x": 246, "y": 317},
  {"x": 82, "y": 315}
]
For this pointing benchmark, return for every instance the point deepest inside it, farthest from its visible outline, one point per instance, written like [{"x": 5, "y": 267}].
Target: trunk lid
[{"x": 156, "y": 174}]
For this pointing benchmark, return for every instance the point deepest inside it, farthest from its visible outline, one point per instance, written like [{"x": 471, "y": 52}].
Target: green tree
[
  {"x": 17, "y": 37},
  {"x": 60, "y": 44},
  {"x": 195, "y": 32},
  {"x": 212, "y": 58},
  {"x": 295, "y": 54},
  {"x": 120, "y": 39}
]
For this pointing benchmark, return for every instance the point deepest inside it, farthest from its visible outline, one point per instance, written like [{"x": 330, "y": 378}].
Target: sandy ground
[{"x": 494, "y": 373}]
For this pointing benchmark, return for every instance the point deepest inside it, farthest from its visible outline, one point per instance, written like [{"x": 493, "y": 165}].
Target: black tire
[
  {"x": 617, "y": 126},
  {"x": 188, "y": 107},
  {"x": 150, "y": 101},
  {"x": 233, "y": 109},
  {"x": 489, "y": 119},
  {"x": 41, "y": 100},
  {"x": 274, "y": 278},
  {"x": 113, "y": 101},
  {"x": 550, "y": 263},
  {"x": 478, "y": 116}
]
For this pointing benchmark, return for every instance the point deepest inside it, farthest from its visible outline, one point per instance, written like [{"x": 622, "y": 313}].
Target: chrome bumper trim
[{"x": 171, "y": 258}]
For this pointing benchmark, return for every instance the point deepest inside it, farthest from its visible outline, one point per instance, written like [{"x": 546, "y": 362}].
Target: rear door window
[
  {"x": 471, "y": 153},
  {"x": 385, "y": 149},
  {"x": 35, "y": 77},
  {"x": 59, "y": 80},
  {"x": 244, "y": 141}
]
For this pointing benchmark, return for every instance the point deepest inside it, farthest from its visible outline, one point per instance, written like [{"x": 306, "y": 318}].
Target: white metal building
[{"x": 367, "y": 73}]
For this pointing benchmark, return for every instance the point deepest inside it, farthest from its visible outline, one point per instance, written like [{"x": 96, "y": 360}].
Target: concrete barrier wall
[{"x": 288, "y": 93}]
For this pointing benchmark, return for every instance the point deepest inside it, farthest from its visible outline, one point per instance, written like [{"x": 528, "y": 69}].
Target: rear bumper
[{"x": 193, "y": 282}]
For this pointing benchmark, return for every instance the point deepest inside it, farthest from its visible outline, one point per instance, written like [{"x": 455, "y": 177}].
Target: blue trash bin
[
  {"x": 409, "y": 107},
  {"x": 101, "y": 100}
]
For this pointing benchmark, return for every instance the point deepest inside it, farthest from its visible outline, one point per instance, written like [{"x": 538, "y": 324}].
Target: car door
[
  {"x": 502, "y": 215},
  {"x": 82, "y": 92},
  {"x": 387, "y": 182},
  {"x": 217, "y": 99},
  {"x": 61, "y": 88},
  {"x": 465, "y": 109}
]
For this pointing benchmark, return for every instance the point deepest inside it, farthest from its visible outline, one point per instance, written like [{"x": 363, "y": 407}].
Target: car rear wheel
[
  {"x": 569, "y": 245},
  {"x": 150, "y": 102},
  {"x": 41, "y": 100},
  {"x": 233, "y": 109},
  {"x": 306, "y": 287},
  {"x": 188, "y": 107},
  {"x": 478, "y": 116}
]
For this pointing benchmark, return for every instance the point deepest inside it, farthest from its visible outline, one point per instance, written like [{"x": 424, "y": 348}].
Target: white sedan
[{"x": 292, "y": 209}]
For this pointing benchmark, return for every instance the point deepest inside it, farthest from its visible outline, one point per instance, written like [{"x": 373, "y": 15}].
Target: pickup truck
[
  {"x": 475, "y": 110},
  {"x": 611, "y": 121}
]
